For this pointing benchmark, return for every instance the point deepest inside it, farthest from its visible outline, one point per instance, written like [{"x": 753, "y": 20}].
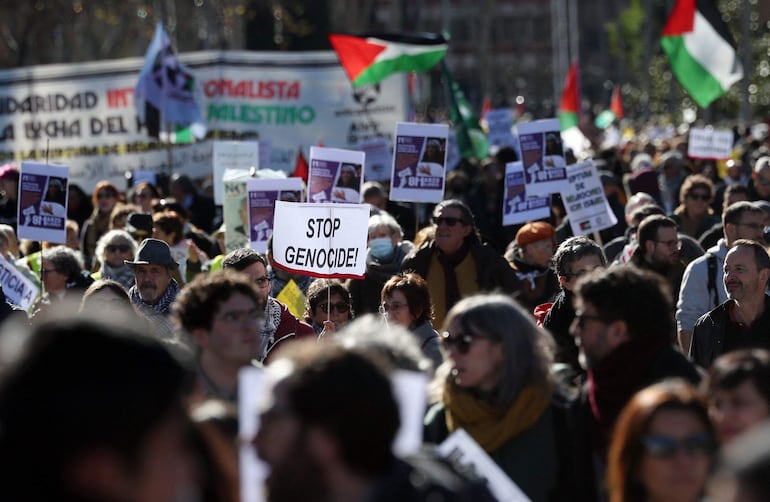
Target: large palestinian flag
[
  {"x": 369, "y": 59},
  {"x": 701, "y": 50}
]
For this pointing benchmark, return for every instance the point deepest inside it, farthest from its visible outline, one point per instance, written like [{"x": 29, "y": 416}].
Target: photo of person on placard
[
  {"x": 554, "y": 152},
  {"x": 55, "y": 198},
  {"x": 514, "y": 196},
  {"x": 348, "y": 184},
  {"x": 290, "y": 196},
  {"x": 432, "y": 162}
]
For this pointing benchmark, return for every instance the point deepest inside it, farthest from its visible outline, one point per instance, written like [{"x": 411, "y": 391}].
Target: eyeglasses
[
  {"x": 460, "y": 342},
  {"x": 385, "y": 307},
  {"x": 582, "y": 317},
  {"x": 117, "y": 248},
  {"x": 699, "y": 196},
  {"x": 341, "y": 307},
  {"x": 262, "y": 281},
  {"x": 240, "y": 316},
  {"x": 105, "y": 195},
  {"x": 665, "y": 447},
  {"x": 450, "y": 221},
  {"x": 673, "y": 243},
  {"x": 46, "y": 271}
]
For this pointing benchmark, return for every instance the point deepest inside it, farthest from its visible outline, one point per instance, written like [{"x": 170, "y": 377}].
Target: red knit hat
[{"x": 533, "y": 232}]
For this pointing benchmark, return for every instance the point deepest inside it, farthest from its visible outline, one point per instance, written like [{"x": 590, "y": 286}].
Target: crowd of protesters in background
[{"x": 616, "y": 365}]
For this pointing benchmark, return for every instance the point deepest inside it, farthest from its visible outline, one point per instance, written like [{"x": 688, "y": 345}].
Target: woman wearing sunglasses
[
  {"x": 328, "y": 306},
  {"x": 105, "y": 197},
  {"x": 496, "y": 386},
  {"x": 694, "y": 215},
  {"x": 406, "y": 302},
  {"x": 112, "y": 251},
  {"x": 663, "y": 446}
]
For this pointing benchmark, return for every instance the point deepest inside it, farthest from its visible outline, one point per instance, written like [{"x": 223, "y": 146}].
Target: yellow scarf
[{"x": 491, "y": 427}]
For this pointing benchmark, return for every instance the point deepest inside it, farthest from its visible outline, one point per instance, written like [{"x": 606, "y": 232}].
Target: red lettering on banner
[
  {"x": 118, "y": 98},
  {"x": 270, "y": 89}
]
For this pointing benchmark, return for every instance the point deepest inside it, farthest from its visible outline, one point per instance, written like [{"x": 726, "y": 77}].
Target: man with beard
[
  {"x": 743, "y": 321},
  {"x": 221, "y": 314},
  {"x": 279, "y": 324},
  {"x": 327, "y": 423},
  {"x": 624, "y": 329},
  {"x": 154, "y": 288},
  {"x": 658, "y": 251}
]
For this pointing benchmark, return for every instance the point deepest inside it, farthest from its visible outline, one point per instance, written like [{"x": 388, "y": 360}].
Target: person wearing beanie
[{"x": 529, "y": 254}]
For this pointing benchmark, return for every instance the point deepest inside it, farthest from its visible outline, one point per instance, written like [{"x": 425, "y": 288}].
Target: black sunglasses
[
  {"x": 699, "y": 196},
  {"x": 461, "y": 342},
  {"x": 450, "y": 221},
  {"x": 341, "y": 307},
  {"x": 667, "y": 447}
]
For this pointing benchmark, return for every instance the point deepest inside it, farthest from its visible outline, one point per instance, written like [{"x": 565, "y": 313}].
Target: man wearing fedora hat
[{"x": 154, "y": 288}]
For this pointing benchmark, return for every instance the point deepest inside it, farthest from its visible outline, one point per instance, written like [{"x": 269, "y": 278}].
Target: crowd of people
[{"x": 630, "y": 364}]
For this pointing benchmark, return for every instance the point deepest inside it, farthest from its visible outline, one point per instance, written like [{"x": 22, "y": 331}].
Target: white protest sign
[
  {"x": 543, "y": 156},
  {"x": 265, "y": 150},
  {"x": 710, "y": 143},
  {"x": 419, "y": 162},
  {"x": 409, "y": 390},
  {"x": 517, "y": 207},
  {"x": 584, "y": 199},
  {"x": 379, "y": 158},
  {"x": 335, "y": 175},
  {"x": 238, "y": 155},
  {"x": 18, "y": 289},
  {"x": 235, "y": 209},
  {"x": 461, "y": 449},
  {"x": 251, "y": 385},
  {"x": 321, "y": 240},
  {"x": 145, "y": 175},
  {"x": 262, "y": 194},
  {"x": 43, "y": 202},
  {"x": 499, "y": 124}
]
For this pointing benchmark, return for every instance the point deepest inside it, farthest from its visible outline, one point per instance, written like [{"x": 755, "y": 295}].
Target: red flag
[
  {"x": 300, "y": 167},
  {"x": 486, "y": 105},
  {"x": 616, "y": 105},
  {"x": 570, "y": 99}
]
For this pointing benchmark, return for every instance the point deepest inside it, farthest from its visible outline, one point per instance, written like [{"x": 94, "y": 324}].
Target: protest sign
[
  {"x": 543, "y": 156},
  {"x": 461, "y": 450},
  {"x": 584, "y": 200},
  {"x": 237, "y": 155},
  {"x": 378, "y": 158},
  {"x": 335, "y": 175},
  {"x": 409, "y": 389},
  {"x": 235, "y": 210},
  {"x": 145, "y": 175},
  {"x": 18, "y": 288},
  {"x": 293, "y": 298},
  {"x": 43, "y": 202},
  {"x": 419, "y": 162},
  {"x": 262, "y": 194},
  {"x": 517, "y": 207},
  {"x": 710, "y": 143},
  {"x": 499, "y": 124},
  {"x": 321, "y": 240},
  {"x": 253, "y": 472}
]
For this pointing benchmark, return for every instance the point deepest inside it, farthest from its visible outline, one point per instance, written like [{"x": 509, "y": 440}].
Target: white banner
[
  {"x": 240, "y": 155},
  {"x": 321, "y": 240},
  {"x": 262, "y": 196},
  {"x": 584, "y": 199},
  {"x": 379, "y": 158},
  {"x": 710, "y": 143},
  {"x": 87, "y": 112},
  {"x": 335, "y": 175},
  {"x": 517, "y": 207},
  {"x": 419, "y": 162},
  {"x": 499, "y": 125},
  {"x": 43, "y": 202},
  {"x": 543, "y": 156}
]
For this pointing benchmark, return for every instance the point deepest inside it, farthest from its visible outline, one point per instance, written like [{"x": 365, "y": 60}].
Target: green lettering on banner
[{"x": 267, "y": 115}]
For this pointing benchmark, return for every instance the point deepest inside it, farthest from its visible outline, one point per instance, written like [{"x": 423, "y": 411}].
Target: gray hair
[
  {"x": 528, "y": 349},
  {"x": 385, "y": 220},
  {"x": 388, "y": 343},
  {"x": 108, "y": 238}
]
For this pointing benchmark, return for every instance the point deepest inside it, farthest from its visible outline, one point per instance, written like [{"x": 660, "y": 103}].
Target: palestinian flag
[
  {"x": 369, "y": 59},
  {"x": 607, "y": 117},
  {"x": 471, "y": 140},
  {"x": 570, "y": 100},
  {"x": 701, "y": 50}
]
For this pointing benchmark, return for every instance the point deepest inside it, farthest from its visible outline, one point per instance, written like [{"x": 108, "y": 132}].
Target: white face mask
[{"x": 382, "y": 247}]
